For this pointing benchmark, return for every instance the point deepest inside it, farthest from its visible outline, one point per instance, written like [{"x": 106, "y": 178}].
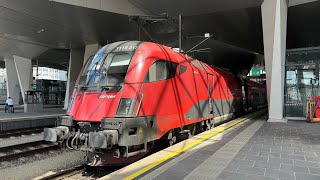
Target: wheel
[
  {"x": 169, "y": 139},
  {"x": 210, "y": 123},
  {"x": 172, "y": 141}
]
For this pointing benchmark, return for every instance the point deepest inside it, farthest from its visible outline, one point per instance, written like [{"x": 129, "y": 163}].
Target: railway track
[
  {"x": 24, "y": 150},
  {"x": 64, "y": 173},
  {"x": 20, "y": 132},
  {"x": 81, "y": 172}
]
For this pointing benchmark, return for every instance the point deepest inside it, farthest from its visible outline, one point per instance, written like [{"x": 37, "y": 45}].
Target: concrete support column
[
  {"x": 274, "y": 21},
  {"x": 75, "y": 65},
  {"x": 89, "y": 50},
  {"x": 24, "y": 72},
  {"x": 78, "y": 57},
  {"x": 13, "y": 87}
]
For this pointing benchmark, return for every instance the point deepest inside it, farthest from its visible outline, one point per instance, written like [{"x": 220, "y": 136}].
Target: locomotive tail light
[{"x": 126, "y": 106}]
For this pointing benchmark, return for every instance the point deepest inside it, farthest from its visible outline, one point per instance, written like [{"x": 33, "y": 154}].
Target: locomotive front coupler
[{"x": 61, "y": 132}]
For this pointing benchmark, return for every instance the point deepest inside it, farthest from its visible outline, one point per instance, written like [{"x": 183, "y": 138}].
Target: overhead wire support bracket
[{"x": 199, "y": 43}]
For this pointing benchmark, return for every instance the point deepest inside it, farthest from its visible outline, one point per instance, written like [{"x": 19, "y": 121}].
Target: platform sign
[{"x": 255, "y": 71}]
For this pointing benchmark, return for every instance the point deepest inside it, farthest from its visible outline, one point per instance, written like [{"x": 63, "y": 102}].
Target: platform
[
  {"x": 247, "y": 148},
  {"x": 18, "y": 107},
  {"x": 21, "y": 120}
]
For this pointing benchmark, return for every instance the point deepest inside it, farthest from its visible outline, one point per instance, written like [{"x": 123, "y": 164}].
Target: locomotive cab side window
[
  {"x": 114, "y": 70},
  {"x": 161, "y": 70},
  {"x": 183, "y": 69}
]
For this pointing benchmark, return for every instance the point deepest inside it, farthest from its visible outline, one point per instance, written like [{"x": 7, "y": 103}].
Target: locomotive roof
[{"x": 119, "y": 46}]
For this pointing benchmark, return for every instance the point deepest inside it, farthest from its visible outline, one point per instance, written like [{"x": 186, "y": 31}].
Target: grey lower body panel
[
  {"x": 225, "y": 107},
  {"x": 132, "y": 131},
  {"x": 221, "y": 109}
]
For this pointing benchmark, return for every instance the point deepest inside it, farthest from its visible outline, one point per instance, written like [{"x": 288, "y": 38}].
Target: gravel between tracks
[
  {"x": 20, "y": 140},
  {"x": 54, "y": 162}
]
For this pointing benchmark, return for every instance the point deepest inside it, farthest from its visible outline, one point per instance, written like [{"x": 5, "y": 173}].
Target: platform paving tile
[
  {"x": 314, "y": 170},
  {"x": 305, "y": 153},
  {"x": 231, "y": 175},
  {"x": 268, "y": 154},
  {"x": 276, "y": 160},
  {"x": 303, "y": 147},
  {"x": 254, "y": 144},
  {"x": 291, "y": 148},
  {"x": 253, "y": 152},
  {"x": 172, "y": 175},
  {"x": 302, "y": 176},
  {"x": 306, "y": 163},
  {"x": 242, "y": 162},
  {"x": 266, "y": 164},
  {"x": 256, "y": 158},
  {"x": 293, "y": 156},
  {"x": 198, "y": 156},
  {"x": 282, "y": 151},
  {"x": 251, "y": 170},
  {"x": 316, "y": 147},
  {"x": 279, "y": 174},
  {"x": 293, "y": 168},
  {"x": 259, "y": 149},
  {"x": 318, "y": 154},
  {"x": 308, "y": 148},
  {"x": 272, "y": 147},
  {"x": 257, "y": 177},
  {"x": 313, "y": 159}
]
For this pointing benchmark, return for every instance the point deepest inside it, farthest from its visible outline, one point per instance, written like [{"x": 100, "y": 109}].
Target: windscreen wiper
[{"x": 107, "y": 87}]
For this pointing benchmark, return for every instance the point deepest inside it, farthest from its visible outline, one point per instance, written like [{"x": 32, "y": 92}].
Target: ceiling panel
[
  {"x": 191, "y": 7},
  {"x": 67, "y": 26},
  {"x": 303, "y": 26}
]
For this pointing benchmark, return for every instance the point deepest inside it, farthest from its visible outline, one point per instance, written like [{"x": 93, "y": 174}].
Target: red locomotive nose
[{"x": 93, "y": 106}]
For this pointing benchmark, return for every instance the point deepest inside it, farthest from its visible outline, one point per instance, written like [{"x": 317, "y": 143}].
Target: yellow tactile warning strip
[
  {"x": 142, "y": 166},
  {"x": 214, "y": 165}
]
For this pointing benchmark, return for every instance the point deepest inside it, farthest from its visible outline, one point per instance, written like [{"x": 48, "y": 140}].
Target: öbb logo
[{"x": 105, "y": 96}]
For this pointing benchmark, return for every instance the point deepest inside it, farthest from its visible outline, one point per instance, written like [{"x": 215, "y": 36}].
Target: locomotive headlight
[{"x": 125, "y": 106}]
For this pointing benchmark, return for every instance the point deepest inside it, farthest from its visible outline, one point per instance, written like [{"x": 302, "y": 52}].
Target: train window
[
  {"x": 92, "y": 69},
  {"x": 115, "y": 68},
  {"x": 161, "y": 70},
  {"x": 106, "y": 69},
  {"x": 183, "y": 69}
]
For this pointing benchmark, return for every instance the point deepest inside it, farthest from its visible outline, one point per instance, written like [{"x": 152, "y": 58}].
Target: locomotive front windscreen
[{"x": 106, "y": 69}]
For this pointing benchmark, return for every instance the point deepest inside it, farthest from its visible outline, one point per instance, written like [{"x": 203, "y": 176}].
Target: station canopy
[{"x": 46, "y": 30}]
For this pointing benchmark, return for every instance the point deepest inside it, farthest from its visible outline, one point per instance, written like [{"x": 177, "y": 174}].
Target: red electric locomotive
[{"x": 131, "y": 93}]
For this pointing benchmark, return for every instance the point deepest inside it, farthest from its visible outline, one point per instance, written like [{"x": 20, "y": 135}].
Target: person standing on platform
[{"x": 9, "y": 104}]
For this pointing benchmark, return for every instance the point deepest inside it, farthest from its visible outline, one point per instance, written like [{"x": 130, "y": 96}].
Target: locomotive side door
[{"x": 210, "y": 93}]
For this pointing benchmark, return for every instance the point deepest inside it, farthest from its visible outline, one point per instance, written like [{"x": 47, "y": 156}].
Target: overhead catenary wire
[{"x": 199, "y": 44}]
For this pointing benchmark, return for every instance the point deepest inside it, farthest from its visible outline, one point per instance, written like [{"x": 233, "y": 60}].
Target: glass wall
[
  {"x": 53, "y": 91},
  {"x": 302, "y": 81}
]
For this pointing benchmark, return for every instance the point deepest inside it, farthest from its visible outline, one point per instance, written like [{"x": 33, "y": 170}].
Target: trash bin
[{"x": 313, "y": 109}]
